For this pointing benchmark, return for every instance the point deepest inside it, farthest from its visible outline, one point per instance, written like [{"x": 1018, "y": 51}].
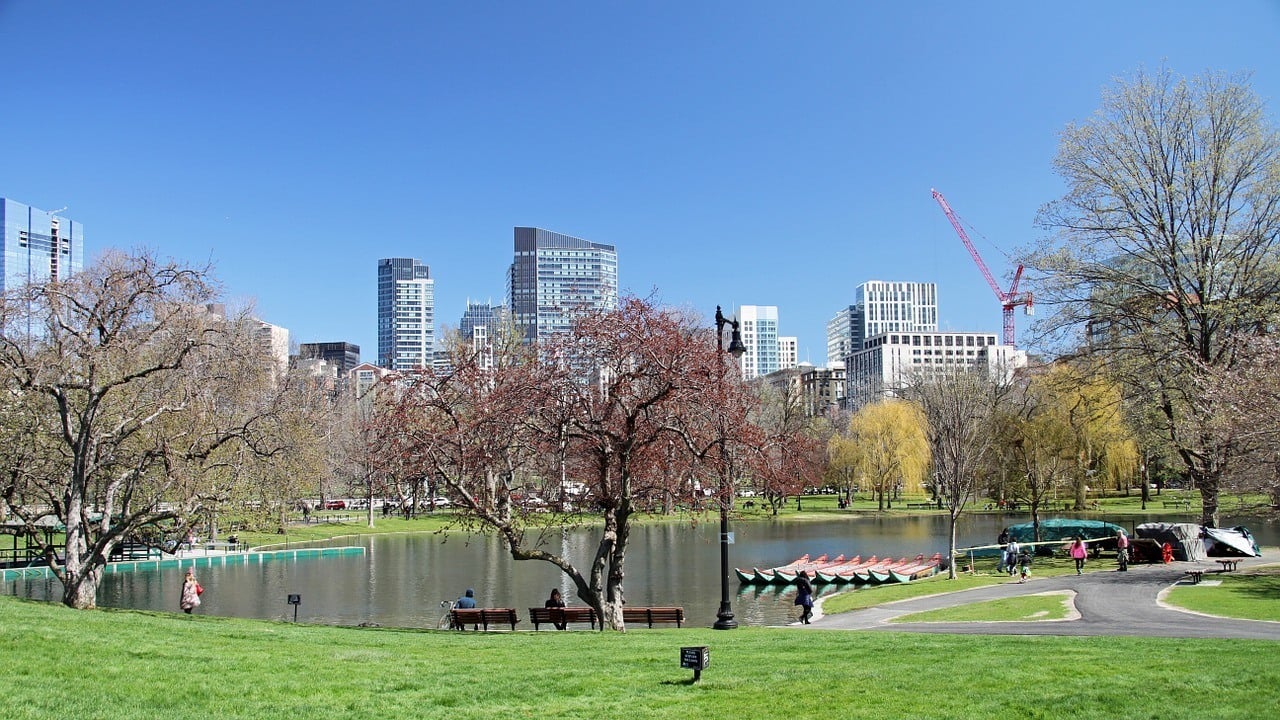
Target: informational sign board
[{"x": 696, "y": 659}]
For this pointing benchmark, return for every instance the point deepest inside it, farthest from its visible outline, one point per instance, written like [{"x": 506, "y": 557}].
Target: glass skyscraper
[
  {"x": 406, "y": 314},
  {"x": 553, "y": 276},
  {"x": 38, "y": 245}
]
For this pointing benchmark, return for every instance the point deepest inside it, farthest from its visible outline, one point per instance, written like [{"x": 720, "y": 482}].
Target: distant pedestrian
[
  {"x": 1122, "y": 550},
  {"x": 1078, "y": 552},
  {"x": 804, "y": 597},
  {"x": 467, "y": 601},
  {"x": 1024, "y": 565},
  {"x": 191, "y": 592}
]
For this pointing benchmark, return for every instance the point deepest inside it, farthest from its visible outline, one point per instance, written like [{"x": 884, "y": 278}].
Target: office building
[
  {"x": 343, "y": 357},
  {"x": 841, "y": 331},
  {"x": 38, "y": 245},
  {"x": 554, "y": 276},
  {"x": 483, "y": 324},
  {"x": 406, "y": 314},
  {"x": 888, "y": 361},
  {"x": 818, "y": 391}
]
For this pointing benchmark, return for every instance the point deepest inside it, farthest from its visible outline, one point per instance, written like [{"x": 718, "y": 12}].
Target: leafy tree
[
  {"x": 886, "y": 444},
  {"x": 1165, "y": 253},
  {"x": 129, "y": 398}
]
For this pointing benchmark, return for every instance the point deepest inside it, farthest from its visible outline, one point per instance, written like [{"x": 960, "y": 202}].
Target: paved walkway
[{"x": 1108, "y": 602}]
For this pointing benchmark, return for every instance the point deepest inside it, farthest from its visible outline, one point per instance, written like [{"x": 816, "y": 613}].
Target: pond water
[{"x": 401, "y": 579}]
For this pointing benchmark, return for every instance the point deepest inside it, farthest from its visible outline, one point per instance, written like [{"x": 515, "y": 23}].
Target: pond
[{"x": 401, "y": 579}]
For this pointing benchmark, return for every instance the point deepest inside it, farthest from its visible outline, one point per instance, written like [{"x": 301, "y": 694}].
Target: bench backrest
[
  {"x": 653, "y": 615},
  {"x": 484, "y": 616}
]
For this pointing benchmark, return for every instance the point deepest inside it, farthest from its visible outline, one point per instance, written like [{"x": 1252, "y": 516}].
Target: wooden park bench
[
  {"x": 1184, "y": 504},
  {"x": 653, "y": 615},
  {"x": 563, "y": 616},
  {"x": 921, "y": 505},
  {"x": 1196, "y": 574},
  {"x": 481, "y": 617}
]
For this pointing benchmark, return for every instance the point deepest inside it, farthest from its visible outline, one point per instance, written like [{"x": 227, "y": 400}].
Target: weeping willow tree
[
  {"x": 1163, "y": 253},
  {"x": 885, "y": 445}
]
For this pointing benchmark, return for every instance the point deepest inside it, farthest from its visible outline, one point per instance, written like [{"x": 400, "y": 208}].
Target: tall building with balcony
[
  {"x": 759, "y": 327},
  {"x": 406, "y": 314},
  {"x": 895, "y": 307},
  {"x": 38, "y": 246},
  {"x": 554, "y": 276}
]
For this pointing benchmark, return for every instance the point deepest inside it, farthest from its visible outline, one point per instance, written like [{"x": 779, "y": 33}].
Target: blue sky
[{"x": 734, "y": 152}]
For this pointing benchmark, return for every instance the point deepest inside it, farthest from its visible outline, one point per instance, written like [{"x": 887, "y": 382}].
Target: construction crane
[{"x": 1008, "y": 300}]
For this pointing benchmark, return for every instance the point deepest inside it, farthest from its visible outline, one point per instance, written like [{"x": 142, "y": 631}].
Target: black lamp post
[{"x": 724, "y": 618}]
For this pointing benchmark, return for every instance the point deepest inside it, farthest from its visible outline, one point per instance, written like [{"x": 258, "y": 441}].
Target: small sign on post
[
  {"x": 696, "y": 659},
  {"x": 295, "y": 599}
]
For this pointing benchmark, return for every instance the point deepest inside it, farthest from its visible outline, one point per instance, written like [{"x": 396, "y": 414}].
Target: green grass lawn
[
  {"x": 61, "y": 663},
  {"x": 1253, "y": 595},
  {"x": 1048, "y": 606}
]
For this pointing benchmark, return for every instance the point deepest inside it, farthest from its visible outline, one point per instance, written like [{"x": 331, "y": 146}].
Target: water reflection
[{"x": 401, "y": 579}]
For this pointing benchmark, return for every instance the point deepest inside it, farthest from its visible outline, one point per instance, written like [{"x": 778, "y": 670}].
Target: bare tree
[
  {"x": 131, "y": 397},
  {"x": 958, "y": 406},
  {"x": 1245, "y": 405},
  {"x": 1166, "y": 247},
  {"x": 627, "y": 403}
]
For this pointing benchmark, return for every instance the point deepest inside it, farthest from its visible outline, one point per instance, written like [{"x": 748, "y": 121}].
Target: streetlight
[{"x": 724, "y": 618}]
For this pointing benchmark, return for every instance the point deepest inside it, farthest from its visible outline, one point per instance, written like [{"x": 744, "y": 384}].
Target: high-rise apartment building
[
  {"x": 759, "y": 327},
  {"x": 841, "y": 331},
  {"x": 881, "y": 307},
  {"x": 553, "y": 276},
  {"x": 406, "y": 314},
  {"x": 895, "y": 307},
  {"x": 37, "y": 245},
  {"x": 788, "y": 352}
]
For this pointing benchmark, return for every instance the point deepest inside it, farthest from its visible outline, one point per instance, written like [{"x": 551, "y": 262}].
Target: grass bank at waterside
[{"x": 126, "y": 664}]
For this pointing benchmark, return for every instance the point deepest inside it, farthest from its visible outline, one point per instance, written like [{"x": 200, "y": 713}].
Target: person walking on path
[
  {"x": 191, "y": 592},
  {"x": 1122, "y": 550},
  {"x": 467, "y": 601},
  {"x": 1078, "y": 552},
  {"x": 804, "y": 597},
  {"x": 555, "y": 601},
  {"x": 1011, "y": 556}
]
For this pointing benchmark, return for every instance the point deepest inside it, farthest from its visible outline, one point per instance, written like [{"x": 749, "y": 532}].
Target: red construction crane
[{"x": 1008, "y": 300}]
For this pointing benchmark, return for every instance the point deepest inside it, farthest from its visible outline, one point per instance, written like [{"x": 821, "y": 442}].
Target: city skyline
[{"x": 765, "y": 156}]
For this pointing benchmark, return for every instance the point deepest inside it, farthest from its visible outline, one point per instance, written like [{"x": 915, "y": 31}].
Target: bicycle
[{"x": 446, "y": 620}]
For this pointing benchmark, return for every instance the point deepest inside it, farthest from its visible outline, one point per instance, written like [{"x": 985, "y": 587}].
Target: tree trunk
[{"x": 951, "y": 547}]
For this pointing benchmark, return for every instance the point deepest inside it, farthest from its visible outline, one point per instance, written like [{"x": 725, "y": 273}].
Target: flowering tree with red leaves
[{"x": 625, "y": 413}]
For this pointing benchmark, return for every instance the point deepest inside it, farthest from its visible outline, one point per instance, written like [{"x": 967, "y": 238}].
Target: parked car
[{"x": 335, "y": 504}]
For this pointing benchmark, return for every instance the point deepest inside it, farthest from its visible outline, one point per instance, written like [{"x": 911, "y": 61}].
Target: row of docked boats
[{"x": 844, "y": 570}]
